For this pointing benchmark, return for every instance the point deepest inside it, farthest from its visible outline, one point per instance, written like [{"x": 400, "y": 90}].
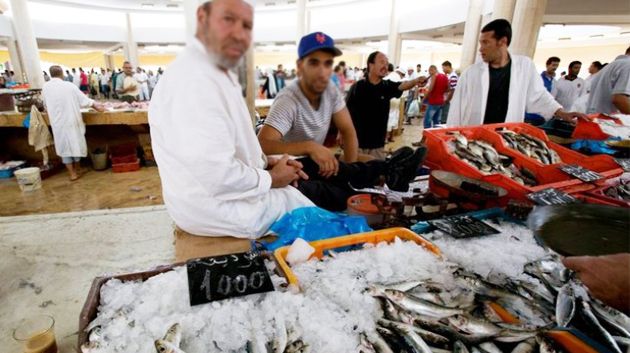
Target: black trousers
[{"x": 332, "y": 193}]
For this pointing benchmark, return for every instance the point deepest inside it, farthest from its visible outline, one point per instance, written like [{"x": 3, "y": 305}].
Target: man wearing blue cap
[
  {"x": 300, "y": 118},
  {"x": 368, "y": 103}
]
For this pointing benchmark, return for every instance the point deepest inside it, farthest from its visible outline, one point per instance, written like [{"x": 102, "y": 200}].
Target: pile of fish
[
  {"x": 483, "y": 156},
  {"x": 619, "y": 192},
  {"x": 531, "y": 146},
  {"x": 423, "y": 317}
]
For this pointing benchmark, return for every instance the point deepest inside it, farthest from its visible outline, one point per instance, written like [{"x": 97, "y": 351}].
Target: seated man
[
  {"x": 300, "y": 118},
  {"x": 215, "y": 179}
]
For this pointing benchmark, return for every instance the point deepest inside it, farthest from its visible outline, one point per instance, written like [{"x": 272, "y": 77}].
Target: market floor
[{"x": 106, "y": 190}]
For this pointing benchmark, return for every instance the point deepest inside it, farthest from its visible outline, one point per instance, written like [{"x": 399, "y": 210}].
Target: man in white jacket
[
  {"x": 63, "y": 102},
  {"x": 216, "y": 180},
  {"x": 502, "y": 87}
]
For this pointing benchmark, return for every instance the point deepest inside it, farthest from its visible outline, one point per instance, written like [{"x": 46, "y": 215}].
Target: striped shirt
[
  {"x": 293, "y": 116},
  {"x": 452, "y": 80}
]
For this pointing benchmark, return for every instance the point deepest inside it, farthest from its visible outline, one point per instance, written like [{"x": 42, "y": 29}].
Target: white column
[
  {"x": 190, "y": 15},
  {"x": 503, "y": 9},
  {"x": 394, "y": 41},
  {"x": 15, "y": 58},
  {"x": 301, "y": 20},
  {"x": 27, "y": 43},
  {"x": 131, "y": 47},
  {"x": 471, "y": 33},
  {"x": 528, "y": 18}
]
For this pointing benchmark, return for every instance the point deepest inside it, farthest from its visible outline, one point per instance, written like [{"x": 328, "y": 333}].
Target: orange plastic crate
[
  {"x": 126, "y": 167},
  {"x": 375, "y": 237},
  {"x": 589, "y": 130}
]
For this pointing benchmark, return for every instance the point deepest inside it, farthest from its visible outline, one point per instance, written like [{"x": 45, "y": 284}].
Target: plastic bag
[
  {"x": 414, "y": 109},
  {"x": 27, "y": 121},
  {"x": 314, "y": 223},
  {"x": 592, "y": 147}
]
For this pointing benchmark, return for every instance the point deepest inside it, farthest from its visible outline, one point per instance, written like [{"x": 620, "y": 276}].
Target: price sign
[
  {"x": 463, "y": 227},
  {"x": 624, "y": 163},
  {"x": 580, "y": 172},
  {"x": 222, "y": 277},
  {"x": 551, "y": 196}
]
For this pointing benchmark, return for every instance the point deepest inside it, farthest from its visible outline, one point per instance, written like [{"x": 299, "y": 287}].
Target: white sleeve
[
  {"x": 84, "y": 101},
  {"x": 538, "y": 100},
  {"x": 456, "y": 108}
]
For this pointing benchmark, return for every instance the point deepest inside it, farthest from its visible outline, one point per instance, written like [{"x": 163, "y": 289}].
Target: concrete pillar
[
  {"x": 503, "y": 9},
  {"x": 528, "y": 18},
  {"x": 394, "y": 41},
  {"x": 27, "y": 43},
  {"x": 250, "y": 89},
  {"x": 471, "y": 33},
  {"x": 109, "y": 62},
  {"x": 15, "y": 59},
  {"x": 131, "y": 47},
  {"x": 190, "y": 16},
  {"x": 301, "y": 20}
]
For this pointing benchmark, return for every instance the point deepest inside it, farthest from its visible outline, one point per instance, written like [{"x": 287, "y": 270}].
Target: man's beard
[{"x": 224, "y": 62}]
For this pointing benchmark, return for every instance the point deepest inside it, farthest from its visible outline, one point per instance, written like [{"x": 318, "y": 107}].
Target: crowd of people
[{"x": 125, "y": 84}]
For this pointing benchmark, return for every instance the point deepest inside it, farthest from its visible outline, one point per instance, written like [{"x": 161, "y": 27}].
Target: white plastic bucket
[{"x": 28, "y": 179}]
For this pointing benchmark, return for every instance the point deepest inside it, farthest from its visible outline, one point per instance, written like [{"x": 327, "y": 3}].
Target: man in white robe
[
  {"x": 63, "y": 102},
  {"x": 216, "y": 180},
  {"x": 502, "y": 87}
]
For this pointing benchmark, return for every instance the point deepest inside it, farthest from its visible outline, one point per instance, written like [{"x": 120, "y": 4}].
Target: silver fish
[
  {"x": 365, "y": 346},
  {"x": 420, "y": 306},
  {"x": 90, "y": 347},
  {"x": 590, "y": 319},
  {"x": 96, "y": 334},
  {"x": 546, "y": 346},
  {"x": 612, "y": 317},
  {"x": 490, "y": 347},
  {"x": 379, "y": 344},
  {"x": 297, "y": 346},
  {"x": 163, "y": 346},
  {"x": 527, "y": 346},
  {"x": 412, "y": 338},
  {"x": 281, "y": 338},
  {"x": 472, "y": 325},
  {"x": 565, "y": 305},
  {"x": 174, "y": 334},
  {"x": 460, "y": 347},
  {"x": 404, "y": 286},
  {"x": 428, "y": 336}
]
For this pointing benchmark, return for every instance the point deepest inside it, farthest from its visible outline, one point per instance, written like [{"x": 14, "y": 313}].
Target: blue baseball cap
[{"x": 317, "y": 41}]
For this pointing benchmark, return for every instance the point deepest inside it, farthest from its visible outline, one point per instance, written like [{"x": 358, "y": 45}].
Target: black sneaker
[
  {"x": 400, "y": 155},
  {"x": 401, "y": 172}
]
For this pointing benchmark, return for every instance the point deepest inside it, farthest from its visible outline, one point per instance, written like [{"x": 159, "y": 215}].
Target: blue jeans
[{"x": 432, "y": 115}]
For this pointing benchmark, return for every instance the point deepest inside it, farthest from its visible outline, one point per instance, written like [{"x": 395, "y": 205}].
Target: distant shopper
[
  {"x": 143, "y": 84},
  {"x": 76, "y": 78},
  {"x": 63, "y": 102},
  {"x": 610, "y": 88},
  {"x": 447, "y": 68},
  {"x": 68, "y": 76},
  {"x": 484, "y": 94},
  {"x": 127, "y": 87},
  {"x": 595, "y": 67},
  {"x": 104, "y": 83},
  {"x": 368, "y": 102},
  {"x": 46, "y": 77},
  {"x": 152, "y": 82},
  {"x": 570, "y": 87},
  {"x": 549, "y": 80},
  {"x": 84, "y": 87},
  {"x": 435, "y": 97}
]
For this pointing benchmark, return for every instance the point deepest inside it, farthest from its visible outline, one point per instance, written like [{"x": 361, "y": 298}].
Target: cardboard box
[{"x": 189, "y": 246}]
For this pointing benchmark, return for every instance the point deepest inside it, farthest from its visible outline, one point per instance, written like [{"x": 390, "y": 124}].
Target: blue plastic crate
[{"x": 8, "y": 173}]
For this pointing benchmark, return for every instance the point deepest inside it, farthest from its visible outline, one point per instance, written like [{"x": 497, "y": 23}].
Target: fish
[
  {"x": 163, "y": 346},
  {"x": 378, "y": 343},
  {"x": 420, "y": 306},
  {"x": 96, "y": 334},
  {"x": 281, "y": 338},
  {"x": 174, "y": 334},
  {"x": 527, "y": 346},
  {"x": 365, "y": 346},
  {"x": 90, "y": 347},
  {"x": 460, "y": 347},
  {"x": 595, "y": 327},
  {"x": 472, "y": 325},
  {"x": 618, "y": 320},
  {"x": 545, "y": 345},
  {"x": 412, "y": 338},
  {"x": 297, "y": 346},
  {"x": 490, "y": 347},
  {"x": 565, "y": 305},
  {"x": 430, "y": 337}
]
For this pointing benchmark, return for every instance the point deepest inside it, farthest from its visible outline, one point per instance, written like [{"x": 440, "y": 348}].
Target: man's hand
[
  {"x": 570, "y": 116},
  {"x": 421, "y": 81},
  {"x": 325, "y": 159},
  {"x": 284, "y": 173},
  {"x": 607, "y": 277},
  {"x": 98, "y": 107}
]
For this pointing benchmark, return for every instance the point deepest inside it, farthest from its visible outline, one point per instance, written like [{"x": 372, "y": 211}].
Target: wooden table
[{"x": 11, "y": 119}]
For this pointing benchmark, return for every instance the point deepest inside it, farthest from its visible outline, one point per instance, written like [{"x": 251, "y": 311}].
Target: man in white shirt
[
  {"x": 610, "y": 88},
  {"x": 143, "y": 82},
  {"x": 215, "y": 178},
  {"x": 502, "y": 86},
  {"x": 63, "y": 102},
  {"x": 595, "y": 67},
  {"x": 127, "y": 87},
  {"x": 570, "y": 87},
  {"x": 76, "y": 78}
]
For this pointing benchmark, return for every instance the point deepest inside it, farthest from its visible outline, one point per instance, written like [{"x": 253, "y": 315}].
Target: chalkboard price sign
[
  {"x": 463, "y": 227},
  {"x": 624, "y": 163},
  {"x": 580, "y": 172},
  {"x": 228, "y": 276},
  {"x": 551, "y": 196}
]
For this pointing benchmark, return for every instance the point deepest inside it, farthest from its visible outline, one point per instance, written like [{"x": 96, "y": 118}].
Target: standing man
[
  {"x": 68, "y": 76},
  {"x": 83, "y": 77},
  {"x": 215, "y": 177},
  {"x": 435, "y": 97},
  {"x": 418, "y": 70},
  {"x": 570, "y": 87},
  {"x": 368, "y": 103},
  {"x": 610, "y": 88},
  {"x": 548, "y": 78},
  {"x": 595, "y": 67},
  {"x": 76, "y": 78},
  {"x": 501, "y": 87},
  {"x": 127, "y": 87},
  {"x": 143, "y": 84},
  {"x": 63, "y": 102},
  {"x": 280, "y": 77},
  {"x": 447, "y": 68},
  {"x": 104, "y": 83}
]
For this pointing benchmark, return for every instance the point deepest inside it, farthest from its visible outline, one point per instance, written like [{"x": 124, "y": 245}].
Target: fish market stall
[{"x": 501, "y": 292}]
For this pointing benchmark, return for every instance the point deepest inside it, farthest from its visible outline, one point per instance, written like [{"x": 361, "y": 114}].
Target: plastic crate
[
  {"x": 387, "y": 235},
  {"x": 602, "y": 164},
  {"x": 124, "y": 159},
  {"x": 589, "y": 130},
  {"x": 598, "y": 193},
  {"x": 439, "y": 158},
  {"x": 126, "y": 167},
  {"x": 7, "y": 169}
]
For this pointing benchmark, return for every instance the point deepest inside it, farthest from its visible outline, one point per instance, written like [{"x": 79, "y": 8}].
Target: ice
[
  {"x": 331, "y": 309},
  {"x": 299, "y": 252}
]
